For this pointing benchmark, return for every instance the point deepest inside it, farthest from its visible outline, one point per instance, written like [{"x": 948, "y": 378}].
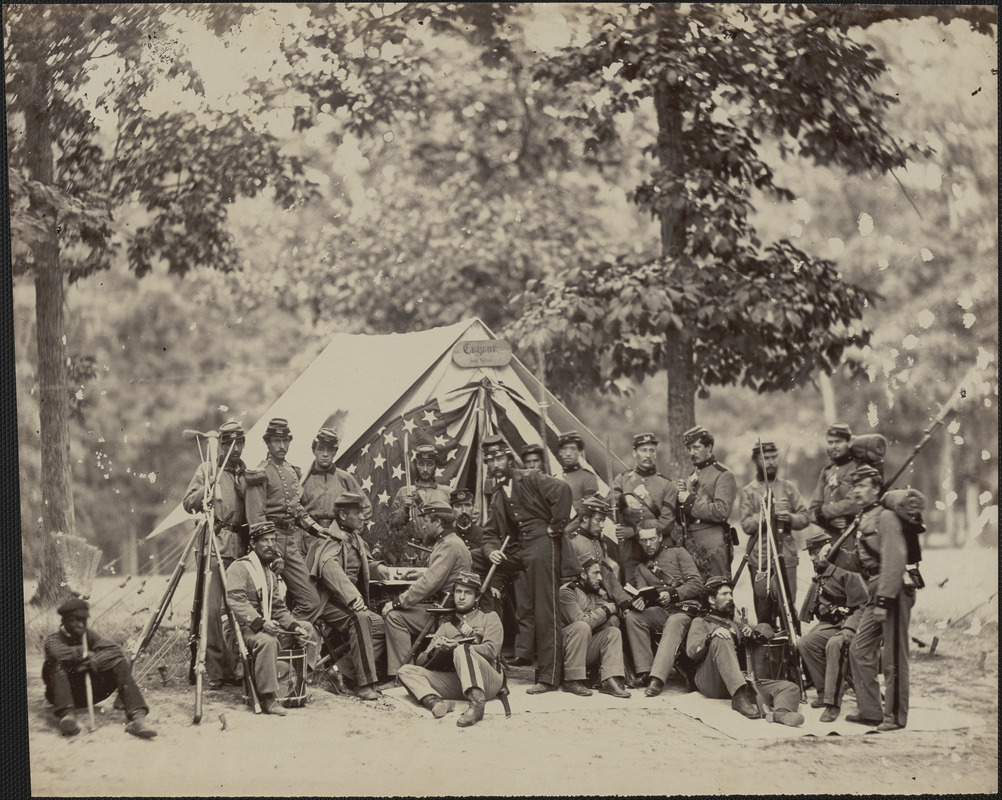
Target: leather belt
[{"x": 283, "y": 524}]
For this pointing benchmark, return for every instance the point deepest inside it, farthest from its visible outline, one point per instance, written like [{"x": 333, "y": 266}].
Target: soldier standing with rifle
[
  {"x": 410, "y": 498},
  {"x": 832, "y": 506},
  {"x": 835, "y": 598},
  {"x": 788, "y": 514},
  {"x": 703, "y": 504},
  {"x": 532, "y": 509},
  {"x": 221, "y": 663}
]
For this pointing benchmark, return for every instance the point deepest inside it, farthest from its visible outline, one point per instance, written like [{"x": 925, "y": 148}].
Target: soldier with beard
[
  {"x": 583, "y": 481},
  {"x": 713, "y": 643},
  {"x": 532, "y": 509},
  {"x": 325, "y": 483},
  {"x": 703, "y": 505},
  {"x": 591, "y": 634},
  {"x": 410, "y": 499},
  {"x": 836, "y": 599},
  {"x": 644, "y": 498},
  {"x": 673, "y": 573},
  {"x": 221, "y": 663},
  {"x": 832, "y": 506},
  {"x": 788, "y": 514},
  {"x": 584, "y": 535}
]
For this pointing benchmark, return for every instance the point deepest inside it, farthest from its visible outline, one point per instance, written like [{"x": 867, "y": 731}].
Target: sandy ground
[{"x": 341, "y": 746}]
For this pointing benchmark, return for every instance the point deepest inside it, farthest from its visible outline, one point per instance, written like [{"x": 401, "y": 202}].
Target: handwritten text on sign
[{"x": 486, "y": 353}]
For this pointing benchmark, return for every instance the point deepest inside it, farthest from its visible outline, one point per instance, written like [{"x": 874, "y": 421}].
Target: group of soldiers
[{"x": 282, "y": 536}]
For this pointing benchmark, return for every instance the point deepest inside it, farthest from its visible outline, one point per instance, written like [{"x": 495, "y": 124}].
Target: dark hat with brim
[
  {"x": 230, "y": 431},
  {"x": 277, "y": 428},
  {"x": 596, "y": 505},
  {"x": 426, "y": 451},
  {"x": 587, "y": 563},
  {"x": 531, "y": 449},
  {"x": 839, "y": 429},
  {"x": 865, "y": 472},
  {"x": 694, "y": 434},
  {"x": 349, "y": 500},
  {"x": 816, "y": 540},
  {"x": 644, "y": 438},
  {"x": 765, "y": 448},
  {"x": 571, "y": 437},
  {"x": 461, "y": 496},
  {"x": 76, "y": 607},
  {"x": 494, "y": 445},
  {"x": 469, "y": 580},
  {"x": 326, "y": 436},
  {"x": 261, "y": 529},
  {"x": 714, "y": 583},
  {"x": 435, "y": 506}
]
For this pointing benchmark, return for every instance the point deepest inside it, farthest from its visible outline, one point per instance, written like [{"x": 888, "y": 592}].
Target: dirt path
[{"x": 339, "y": 746}]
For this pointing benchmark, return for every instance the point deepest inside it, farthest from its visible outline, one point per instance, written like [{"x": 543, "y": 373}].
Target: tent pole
[
  {"x": 481, "y": 432},
  {"x": 543, "y": 404}
]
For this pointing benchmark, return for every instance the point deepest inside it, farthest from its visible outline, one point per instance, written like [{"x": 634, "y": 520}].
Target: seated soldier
[
  {"x": 591, "y": 634},
  {"x": 836, "y": 599},
  {"x": 256, "y": 601},
  {"x": 673, "y": 573},
  {"x": 460, "y": 660},
  {"x": 403, "y": 616},
  {"x": 584, "y": 537},
  {"x": 66, "y": 665},
  {"x": 713, "y": 643},
  {"x": 341, "y": 571}
]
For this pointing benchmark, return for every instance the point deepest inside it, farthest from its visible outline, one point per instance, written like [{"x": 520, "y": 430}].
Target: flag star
[
  {"x": 429, "y": 417},
  {"x": 398, "y": 472},
  {"x": 351, "y": 468},
  {"x": 389, "y": 438},
  {"x": 364, "y": 450},
  {"x": 409, "y": 425},
  {"x": 383, "y": 497},
  {"x": 440, "y": 441},
  {"x": 439, "y": 471},
  {"x": 367, "y": 484},
  {"x": 378, "y": 462}
]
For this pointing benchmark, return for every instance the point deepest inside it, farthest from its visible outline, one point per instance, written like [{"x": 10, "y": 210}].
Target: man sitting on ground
[
  {"x": 460, "y": 660},
  {"x": 66, "y": 665}
]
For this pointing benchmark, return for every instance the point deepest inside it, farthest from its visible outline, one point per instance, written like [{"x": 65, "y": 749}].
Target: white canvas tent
[{"x": 377, "y": 391}]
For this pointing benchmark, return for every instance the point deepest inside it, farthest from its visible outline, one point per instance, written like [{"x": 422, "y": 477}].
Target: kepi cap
[
  {"x": 714, "y": 583},
  {"x": 816, "y": 540},
  {"x": 839, "y": 429},
  {"x": 260, "y": 529},
  {"x": 493, "y": 445},
  {"x": 277, "y": 427},
  {"x": 468, "y": 579},
  {"x": 864, "y": 472},
  {"x": 764, "y": 448},
  {"x": 529, "y": 450},
  {"x": 435, "y": 506},
  {"x": 596, "y": 505},
  {"x": 427, "y": 451},
  {"x": 349, "y": 500},
  {"x": 230, "y": 430},
  {"x": 461, "y": 496},
  {"x": 571, "y": 437},
  {"x": 75, "y": 607},
  {"x": 694, "y": 434},
  {"x": 644, "y": 438},
  {"x": 326, "y": 436}
]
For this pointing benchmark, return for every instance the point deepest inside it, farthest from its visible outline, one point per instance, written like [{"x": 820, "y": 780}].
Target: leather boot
[
  {"x": 614, "y": 686},
  {"x": 654, "y": 687},
  {"x": 436, "y": 705},
  {"x": 743, "y": 703},
  {"x": 577, "y": 687},
  {"x": 792, "y": 718},
  {"x": 475, "y": 710}
]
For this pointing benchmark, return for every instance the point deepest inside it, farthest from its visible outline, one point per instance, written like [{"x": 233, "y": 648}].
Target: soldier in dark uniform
[
  {"x": 404, "y": 616},
  {"x": 591, "y": 634},
  {"x": 425, "y": 490},
  {"x": 342, "y": 572},
  {"x": 880, "y": 556},
  {"x": 644, "y": 498},
  {"x": 532, "y": 456},
  {"x": 672, "y": 571},
  {"x": 713, "y": 643},
  {"x": 470, "y": 669},
  {"x": 221, "y": 662},
  {"x": 703, "y": 504},
  {"x": 836, "y": 599},
  {"x": 788, "y": 514},
  {"x": 583, "y": 481},
  {"x": 274, "y": 495},
  {"x": 324, "y": 483},
  {"x": 65, "y": 667},
  {"x": 832, "y": 506},
  {"x": 533, "y": 509}
]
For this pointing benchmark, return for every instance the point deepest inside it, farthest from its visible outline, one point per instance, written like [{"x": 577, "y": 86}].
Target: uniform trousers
[
  {"x": 670, "y": 626},
  {"x": 111, "y": 671},
  {"x": 886, "y": 641},
  {"x": 263, "y": 648},
  {"x": 712, "y": 548},
  {"x": 720, "y": 676},
  {"x": 221, "y": 661},
  {"x": 541, "y": 556},
  {"x": 470, "y": 671},
  {"x": 366, "y": 635},
  {"x": 767, "y": 606},
  {"x": 291, "y": 546},
  {"x": 823, "y": 650},
  {"x": 584, "y": 647},
  {"x": 400, "y": 626}
]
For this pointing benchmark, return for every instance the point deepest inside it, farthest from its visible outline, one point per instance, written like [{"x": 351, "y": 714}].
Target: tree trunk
[
  {"x": 679, "y": 360},
  {"x": 57, "y": 492}
]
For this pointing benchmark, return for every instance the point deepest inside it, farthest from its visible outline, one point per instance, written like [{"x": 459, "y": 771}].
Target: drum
[
  {"x": 292, "y": 677},
  {"x": 773, "y": 660}
]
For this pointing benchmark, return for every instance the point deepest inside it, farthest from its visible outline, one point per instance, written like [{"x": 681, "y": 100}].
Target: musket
[
  {"x": 750, "y": 663},
  {"x": 407, "y": 472},
  {"x": 418, "y": 547},
  {"x": 609, "y": 476},
  {"x": 958, "y": 394},
  {"x": 88, "y": 687}
]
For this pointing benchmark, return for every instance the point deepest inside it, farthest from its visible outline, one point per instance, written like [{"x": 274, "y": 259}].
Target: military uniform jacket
[
  {"x": 750, "y": 511},
  {"x": 537, "y": 501},
  {"x": 473, "y": 537},
  {"x": 449, "y": 557},
  {"x": 576, "y": 605},
  {"x": 343, "y": 567},
  {"x": 671, "y": 568},
  {"x": 698, "y": 641},
  {"x": 274, "y": 493},
  {"x": 836, "y": 596},
  {"x": 710, "y": 504},
  {"x": 832, "y": 497},
  {"x": 881, "y": 554},
  {"x": 246, "y": 599},
  {"x": 426, "y": 492},
  {"x": 228, "y": 506},
  {"x": 583, "y": 547},
  {"x": 655, "y": 492},
  {"x": 583, "y": 483},
  {"x": 59, "y": 647},
  {"x": 321, "y": 488},
  {"x": 486, "y": 627}
]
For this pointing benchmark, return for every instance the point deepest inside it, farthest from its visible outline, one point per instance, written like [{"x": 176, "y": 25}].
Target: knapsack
[
  {"x": 908, "y": 504},
  {"x": 869, "y": 449}
]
